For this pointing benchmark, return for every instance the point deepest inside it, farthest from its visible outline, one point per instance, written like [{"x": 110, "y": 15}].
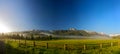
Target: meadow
[{"x": 64, "y": 46}]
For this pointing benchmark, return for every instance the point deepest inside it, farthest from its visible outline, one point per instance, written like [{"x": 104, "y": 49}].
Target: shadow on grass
[{"x": 11, "y": 50}]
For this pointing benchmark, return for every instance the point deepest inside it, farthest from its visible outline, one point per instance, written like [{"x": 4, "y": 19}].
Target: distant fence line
[{"x": 65, "y": 46}]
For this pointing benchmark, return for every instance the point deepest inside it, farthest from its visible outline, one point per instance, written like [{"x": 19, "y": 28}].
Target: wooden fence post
[
  {"x": 25, "y": 45},
  {"x": 84, "y": 47},
  {"x": 47, "y": 45},
  {"x": 101, "y": 45},
  {"x": 15, "y": 40},
  {"x": 65, "y": 46},
  {"x": 19, "y": 41},
  {"x": 118, "y": 43},
  {"x": 25, "y": 42},
  {"x": 34, "y": 44},
  {"x": 111, "y": 44},
  {"x": 6, "y": 47}
]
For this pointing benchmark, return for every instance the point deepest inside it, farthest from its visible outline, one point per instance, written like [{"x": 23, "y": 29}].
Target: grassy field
[{"x": 69, "y": 46}]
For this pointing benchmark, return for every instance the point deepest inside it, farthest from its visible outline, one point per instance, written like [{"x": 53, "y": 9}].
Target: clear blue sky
[{"x": 93, "y": 15}]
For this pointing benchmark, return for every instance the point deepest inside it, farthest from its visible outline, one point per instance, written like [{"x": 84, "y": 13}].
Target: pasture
[{"x": 65, "y": 46}]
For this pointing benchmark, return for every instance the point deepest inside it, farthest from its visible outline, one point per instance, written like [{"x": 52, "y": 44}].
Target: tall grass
[{"x": 57, "y": 47}]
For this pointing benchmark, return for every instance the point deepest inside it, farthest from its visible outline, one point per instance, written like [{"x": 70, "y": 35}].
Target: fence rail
[{"x": 65, "y": 46}]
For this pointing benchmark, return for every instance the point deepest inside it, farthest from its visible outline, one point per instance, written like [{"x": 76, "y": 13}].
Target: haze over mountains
[
  {"x": 67, "y": 32},
  {"x": 77, "y": 32}
]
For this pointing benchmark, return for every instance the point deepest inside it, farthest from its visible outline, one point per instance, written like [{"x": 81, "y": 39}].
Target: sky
[{"x": 92, "y": 15}]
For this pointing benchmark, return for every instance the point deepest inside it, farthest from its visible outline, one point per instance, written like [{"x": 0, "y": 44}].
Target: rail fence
[{"x": 37, "y": 44}]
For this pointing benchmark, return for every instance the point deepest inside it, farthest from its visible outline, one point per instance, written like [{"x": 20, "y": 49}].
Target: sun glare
[{"x": 4, "y": 29}]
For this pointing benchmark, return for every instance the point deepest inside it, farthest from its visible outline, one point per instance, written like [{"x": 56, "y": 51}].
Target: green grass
[{"x": 57, "y": 46}]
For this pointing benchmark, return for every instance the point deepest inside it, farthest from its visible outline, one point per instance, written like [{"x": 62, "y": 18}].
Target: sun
[{"x": 4, "y": 28}]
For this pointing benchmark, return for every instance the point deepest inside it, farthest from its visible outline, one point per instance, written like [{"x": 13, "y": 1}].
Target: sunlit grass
[{"x": 55, "y": 45}]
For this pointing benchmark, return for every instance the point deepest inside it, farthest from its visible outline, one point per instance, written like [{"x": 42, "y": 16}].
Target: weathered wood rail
[{"x": 66, "y": 46}]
